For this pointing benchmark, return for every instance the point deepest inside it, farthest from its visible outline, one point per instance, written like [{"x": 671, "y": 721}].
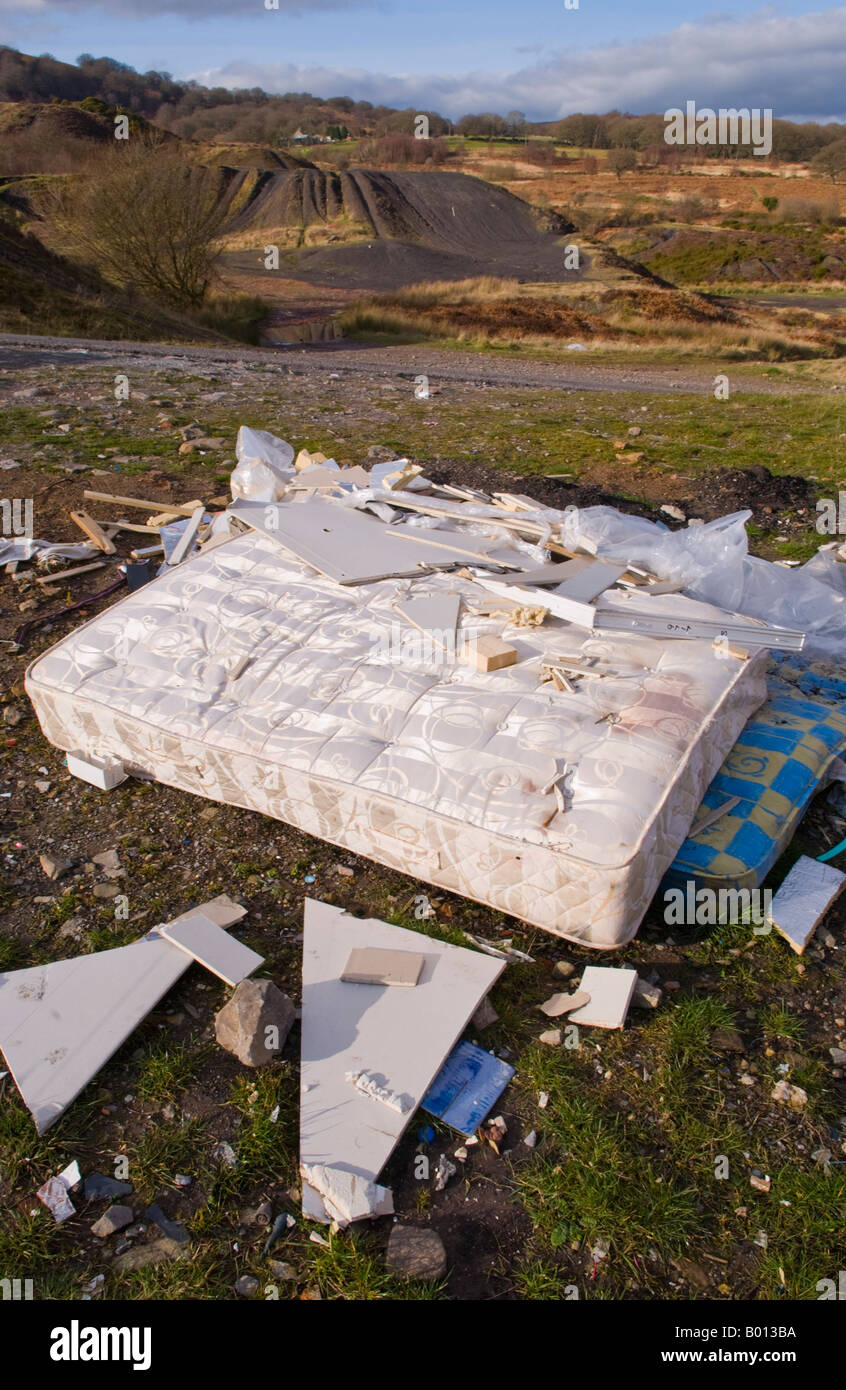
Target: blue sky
[{"x": 538, "y": 56}]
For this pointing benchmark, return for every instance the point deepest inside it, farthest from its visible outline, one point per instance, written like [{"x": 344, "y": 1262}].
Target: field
[{"x": 639, "y": 1183}]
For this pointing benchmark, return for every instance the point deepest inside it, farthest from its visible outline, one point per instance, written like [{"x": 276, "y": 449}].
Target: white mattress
[{"x": 428, "y": 767}]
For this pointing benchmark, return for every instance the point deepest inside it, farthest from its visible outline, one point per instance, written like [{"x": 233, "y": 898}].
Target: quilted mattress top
[{"x": 246, "y": 649}]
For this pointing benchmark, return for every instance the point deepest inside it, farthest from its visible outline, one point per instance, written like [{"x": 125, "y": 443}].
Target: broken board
[
  {"x": 61, "y": 1022},
  {"x": 436, "y": 615},
  {"x": 803, "y": 900},
  {"x": 368, "y": 965},
  {"x": 399, "y": 1036},
  {"x": 610, "y": 990},
  {"x": 342, "y": 543},
  {"x": 209, "y": 945}
]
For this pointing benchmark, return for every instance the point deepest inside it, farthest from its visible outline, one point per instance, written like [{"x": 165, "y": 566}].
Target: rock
[
  {"x": 695, "y": 1274},
  {"x": 344, "y": 871},
  {"x": 174, "y": 1230},
  {"x": 255, "y": 1023},
  {"x": 646, "y": 996},
  {"x": 73, "y": 928},
  {"x": 564, "y": 969},
  {"x": 838, "y": 1056},
  {"x": 98, "y": 1187},
  {"x": 727, "y": 1040},
  {"x": 225, "y": 1154},
  {"x": 53, "y": 866},
  {"x": 105, "y": 890},
  {"x": 675, "y": 512},
  {"x": 112, "y": 1221},
  {"x": 414, "y": 1253},
  {"x": 155, "y": 1252},
  {"x": 787, "y": 1094},
  {"x": 634, "y": 431},
  {"x": 551, "y": 1037},
  {"x": 485, "y": 1015},
  {"x": 247, "y": 1286},
  {"x": 760, "y": 1181},
  {"x": 12, "y": 716},
  {"x": 280, "y": 1270}
]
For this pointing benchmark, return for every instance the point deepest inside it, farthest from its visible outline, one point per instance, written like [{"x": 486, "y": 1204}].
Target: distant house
[{"x": 299, "y": 137}]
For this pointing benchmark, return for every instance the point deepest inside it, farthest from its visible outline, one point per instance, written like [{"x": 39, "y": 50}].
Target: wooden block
[
  {"x": 610, "y": 991},
  {"x": 146, "y": 506},
  {"x": 490, "y": 653},
  {"x": 175, "y": 514},
  {"x": 372, "y": 965},
  {"x": 93, "y": 531},
  {"x": 803, "y": 900},
  {"x": 186, "y": 541},
  {"x": 61, "y": 575}
]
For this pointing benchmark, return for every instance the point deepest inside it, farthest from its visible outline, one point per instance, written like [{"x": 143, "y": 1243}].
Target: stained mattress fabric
[{"x": 245, "y": 677}]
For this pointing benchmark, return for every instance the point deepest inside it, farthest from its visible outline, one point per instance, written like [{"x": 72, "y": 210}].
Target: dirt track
[{"x": 18, "y": 351}]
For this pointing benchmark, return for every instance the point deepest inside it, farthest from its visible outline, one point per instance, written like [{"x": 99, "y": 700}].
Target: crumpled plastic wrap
[{"x": 265, "y": 466}]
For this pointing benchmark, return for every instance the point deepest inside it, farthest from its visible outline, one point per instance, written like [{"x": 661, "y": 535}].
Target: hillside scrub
[{"x": 142, "y": 217}]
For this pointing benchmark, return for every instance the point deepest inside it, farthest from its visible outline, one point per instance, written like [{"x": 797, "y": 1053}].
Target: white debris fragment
[{"x": 371, "y": 1086}]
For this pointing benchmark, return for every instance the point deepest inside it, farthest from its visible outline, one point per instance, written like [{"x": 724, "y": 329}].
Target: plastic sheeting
[{"x": 714, "y": 564}]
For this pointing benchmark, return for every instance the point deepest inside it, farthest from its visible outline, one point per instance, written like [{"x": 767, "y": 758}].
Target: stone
[
  {"x": 105, "y": 890},
  {"x": 155, "y": 1252},
  {"x": 98, "y": 1186},
  {"x": 73, "y": 928},
  {"x": 415, "y": 1253},
  {"x": 727, "y": 1040},
  {"x": 255, "y": 1023},
  {"x": 675, "y": 512},
  {"x": 247, "y": 1286},
  {"x": 485, "y": 1015},
  {"x": 760, "y": 1181},
  {"x": 551, "y": 1037},
  {"x": 646, "y": 995},
  {"x": 838, "y": 1056},
  {"x": 788, "y": 1094},
  {"x": 563, "y": 969},
  {"x": 112, "y": 1221},
  {"x": 174, "y": 1230},
  {"x": 53, "y": 866},
  {"x": 280, "y": 1270}
]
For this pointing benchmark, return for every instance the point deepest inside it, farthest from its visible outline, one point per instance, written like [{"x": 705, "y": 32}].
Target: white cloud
[
  {"x": 794, "y": 64},
  {"x": 185, "y": 9}
]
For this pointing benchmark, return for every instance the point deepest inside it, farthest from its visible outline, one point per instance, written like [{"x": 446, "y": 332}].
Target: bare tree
[{"x": 144, "y": 217}]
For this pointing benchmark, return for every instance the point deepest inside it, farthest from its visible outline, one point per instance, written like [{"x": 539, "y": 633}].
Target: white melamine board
[
  {"x": 804, "y": 898},
  {"x": 60, "y": 1023},
  {"x": 344, "y": 544},
  {"x": 588, "y": 583},
  {"x": 610, "y": 991},
  {"x": 437, "y": 614},
  {"x": 212, "y": 947},
  {"x": 547, "y": 574},
  {"x": 400, "y": 1036}
]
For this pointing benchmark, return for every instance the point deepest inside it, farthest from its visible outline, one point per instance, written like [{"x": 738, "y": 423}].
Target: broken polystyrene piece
[
  {"x": 61, "y": 1022},
  {"x": 610, "y": 993},
  {"x": 803, "y": 900},
  {"x": 105, "y": 773},
  {"x": 345, "y": 1028},
  {"x": 347, "y": 1196},
  {"x": 213, "y": 948},
  {"x": 372, "y": 1086}
]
